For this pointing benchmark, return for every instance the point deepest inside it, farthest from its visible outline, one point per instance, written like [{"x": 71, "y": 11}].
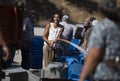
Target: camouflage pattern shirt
[{"x": 106, "y": 35}]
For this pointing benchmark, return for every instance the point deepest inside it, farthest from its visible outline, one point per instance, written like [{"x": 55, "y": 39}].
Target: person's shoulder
[
  {"x": 101, "y": 26},
  {"x": 63, "y": 23},
  {"x": 47, "y": 25},
  {"x": 60, "y": 25},
  {"x": 107, "y": 24},
  {"x": 27, "y": 18},
  {"x": 70, "y": 25},
  {"x": 98, "y": 27}
]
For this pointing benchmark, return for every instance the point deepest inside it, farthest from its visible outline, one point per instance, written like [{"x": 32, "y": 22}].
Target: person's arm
[
  {"x": 86, "y": 37},
  {"x": 91, "y": 61},
  {"x": 4, "y": 47},
  {"x": 45, "y": 35},
  {"x": 60, "y": 33},
  {"x": 85, "y": 44},
  {"x": 96, "y": 46}
]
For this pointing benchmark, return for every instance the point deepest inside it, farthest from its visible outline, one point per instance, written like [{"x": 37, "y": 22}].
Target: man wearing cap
[
  {"x": 68, "y": 30},
  {"x": 67, "y": 33},
  {"x": 104, "y": 47}
]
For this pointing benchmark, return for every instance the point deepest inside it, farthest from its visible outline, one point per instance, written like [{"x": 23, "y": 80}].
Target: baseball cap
[{"x": 65, "y": 17}]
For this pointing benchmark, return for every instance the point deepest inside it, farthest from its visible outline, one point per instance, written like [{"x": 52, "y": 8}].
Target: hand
[
  {"x": 6, "y": 52},
  {"x": 50, "y": 43},
  {"x": 57, "y": 39}
]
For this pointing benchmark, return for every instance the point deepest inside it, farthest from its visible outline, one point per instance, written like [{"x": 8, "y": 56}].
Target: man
[
  {"x": 68, "y": 30},
  {"x": 28, "y": 34},
  {"x": 67, "y": 33},
  {"x": 88, "y": 31},
  {"x": 104, "y": 46},
  {"x": 3, "y": 46}
]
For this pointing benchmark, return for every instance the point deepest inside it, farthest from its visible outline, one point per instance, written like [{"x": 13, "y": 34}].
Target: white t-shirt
[{"x": 53, "y": 32}]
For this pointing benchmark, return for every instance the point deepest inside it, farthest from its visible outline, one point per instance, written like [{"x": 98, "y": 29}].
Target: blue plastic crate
[
  {"x": 75, "y": 66},
  {"x": 36, "y": 53},
  {"x": 36, "y": 62},
  {"x": 74, "y": 71},
  {"x": 37, "y": 43},
  {"x": 76, "y": 41}
]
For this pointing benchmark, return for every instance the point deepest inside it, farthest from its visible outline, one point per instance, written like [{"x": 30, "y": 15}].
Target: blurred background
[{"x": 78, "y": 10}]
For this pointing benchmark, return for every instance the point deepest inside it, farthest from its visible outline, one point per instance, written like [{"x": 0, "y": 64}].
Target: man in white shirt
[
  {"x": 67, "y": 34},
  {"x": 68, "y": 30}
]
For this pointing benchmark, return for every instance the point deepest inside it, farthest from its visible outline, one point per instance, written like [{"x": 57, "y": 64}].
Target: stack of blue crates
[
  {"x": 75, "y": 41},
  {"x": 75, "y": 66},
  {"x": 36, "y": 53}
]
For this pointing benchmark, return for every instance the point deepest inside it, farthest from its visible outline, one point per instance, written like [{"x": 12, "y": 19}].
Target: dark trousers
[
  {"x": 26, "y": 55},
  {"x": 8, "y": 64},
  {"x": 25, "y": 59}
]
